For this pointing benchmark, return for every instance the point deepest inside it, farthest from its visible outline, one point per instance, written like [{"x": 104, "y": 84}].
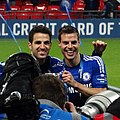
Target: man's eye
[
  {"x": 73, "y": 42},
  {"x": 65, "y": 43},
  {"x": 47, "y": 42},
  {"x": 38, "y": 42}
]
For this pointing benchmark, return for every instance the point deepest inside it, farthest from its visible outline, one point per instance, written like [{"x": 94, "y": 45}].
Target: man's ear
[
  {"x": 59, "y": 43},
  {"x": 29, "y": 45}
]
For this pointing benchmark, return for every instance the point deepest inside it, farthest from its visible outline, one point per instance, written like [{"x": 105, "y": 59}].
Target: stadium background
[{"x": 111, "y": 56}]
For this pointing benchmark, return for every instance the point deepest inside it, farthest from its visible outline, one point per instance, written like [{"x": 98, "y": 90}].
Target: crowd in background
[{"x": 88, "y": 8}]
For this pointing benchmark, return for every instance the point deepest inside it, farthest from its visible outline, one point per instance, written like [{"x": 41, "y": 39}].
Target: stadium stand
[
  {"x": 39, "y": 11},
  {"x": 22, "y": 15},
  {"x": 27, "y": 3},
  {"x": 37, "y": 15},
  {"x": 54, "y": 7},
  {"x": 117, "y": 14},
  {"x": 75, "y": 14},
  {"x": 53, "y": 12},
  {"x": 15, "y": 8},
  {"x": 78, "y": 10},
  {"x": 12, "y": 14},
  {"x": 43, "y": 2},
  {"x": 6, "y": 16},
  {"x": 3, "y": 2},
  {"x": 40, "y": 7},
  {"x": 52, "y": 15},
  {"x": 2, "y": 9},
  {"x": 60, "y": 15},
  {"x": 44, "y": 9},
  {"x": 101, "y": 5},
  {"x": 78, "y": 2},
  {"x": 64, "y": 15},
  {"x": 26, "y": 11},
  {"x": 78, "y": 7},
  {"x": 27, "y": 8},
  {"x": 119, "y": 7},
  {"x": 81, "y": 1},
  {"x": 18, "y": 2}
]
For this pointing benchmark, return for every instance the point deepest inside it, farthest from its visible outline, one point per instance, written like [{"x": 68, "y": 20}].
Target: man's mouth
[
  {"x": 42, "y": 52},
  {"x": 70, "y": 52}
]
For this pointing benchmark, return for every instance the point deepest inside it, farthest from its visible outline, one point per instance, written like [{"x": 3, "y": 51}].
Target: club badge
[{"x": 86, "y": 76}]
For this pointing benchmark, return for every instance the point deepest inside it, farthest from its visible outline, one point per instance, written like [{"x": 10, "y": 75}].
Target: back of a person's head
[{"x": 49, "y": 87}]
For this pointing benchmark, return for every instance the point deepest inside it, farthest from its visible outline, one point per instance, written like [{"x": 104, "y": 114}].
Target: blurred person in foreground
[
  {"x": 85, "y": 75},
  {"x": 51, "y": 93}
]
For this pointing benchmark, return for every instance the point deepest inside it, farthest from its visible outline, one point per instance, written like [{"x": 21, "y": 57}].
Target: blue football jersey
[
  {"x": 52, "y": 65},
  {"x": 90, "y": 72},
  {"x": 56, "y": 65},
  {"x": 1, "y": 69}
]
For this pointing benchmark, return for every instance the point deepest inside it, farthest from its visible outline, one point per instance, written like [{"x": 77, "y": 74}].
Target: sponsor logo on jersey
[{"x": 72, "y": 90}]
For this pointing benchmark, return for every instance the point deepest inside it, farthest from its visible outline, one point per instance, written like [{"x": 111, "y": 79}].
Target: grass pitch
[{"x": 111, "y": 56}]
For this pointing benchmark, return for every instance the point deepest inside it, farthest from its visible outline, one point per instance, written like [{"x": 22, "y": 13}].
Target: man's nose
[
  {"x": 42, "y": 45},
  {"x": 69, "y": 45}
]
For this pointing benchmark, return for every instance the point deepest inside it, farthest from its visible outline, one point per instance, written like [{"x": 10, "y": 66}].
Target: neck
[
  {"x": 73, "y": 62},
  {"x": 41, "y": 61}
]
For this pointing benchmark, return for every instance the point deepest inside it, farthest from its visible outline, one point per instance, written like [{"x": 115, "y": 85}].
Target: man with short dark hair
[
  {"x": 40, "y": 44},
  {"x": 85, "y": 75},
  {"x": 51, "y": 93}
]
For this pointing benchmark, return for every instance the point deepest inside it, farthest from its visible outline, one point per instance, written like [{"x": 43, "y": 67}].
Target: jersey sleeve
[{"x": 99, "y": 77}]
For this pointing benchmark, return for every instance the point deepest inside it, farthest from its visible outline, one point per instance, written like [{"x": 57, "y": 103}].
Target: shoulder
[
  {"x": 54, "y": 58},
  {"x": 93, "y": 59},
  {"x": 55, "y": 61},
  {"x": 96, "y": 62}
]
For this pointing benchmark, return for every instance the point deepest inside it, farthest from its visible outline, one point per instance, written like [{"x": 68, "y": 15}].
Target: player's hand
[
  {"x": 68, "y": 78},
  {"x": 99, "y": 46}
]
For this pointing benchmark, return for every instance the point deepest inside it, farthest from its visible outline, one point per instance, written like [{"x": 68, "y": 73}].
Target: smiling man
[
  {"x": 40, "y": 44},
  {"x": 84, "y": 75}
]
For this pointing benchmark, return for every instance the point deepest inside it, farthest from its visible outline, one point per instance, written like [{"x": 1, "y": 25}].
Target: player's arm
[
  {"x": 99, "y": 48},
  {"x": 88, "y": 91},
  {"x": 68, "y": 78},
  {"x": 99, "y": 82},
  {"x": 99, "y": 78}
]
